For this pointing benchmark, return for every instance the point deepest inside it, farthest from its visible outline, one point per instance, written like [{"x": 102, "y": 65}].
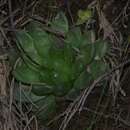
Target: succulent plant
[{"x": 54, "y": 71}]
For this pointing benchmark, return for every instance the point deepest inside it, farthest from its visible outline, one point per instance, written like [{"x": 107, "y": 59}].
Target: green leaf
[
  {"x": 78, "y": 67},
  {"x": 87, "y": 54},
  {"x": 89, "y": 35},
  {"x": 43, "y": 106},
  {"x": 30, "y": 63},
  {"x": 62, "y": 89},
  {"x": 33, "y": 26},
  {"x": 46, "y": 76},
  {"x": 101, "y": 48},
  {"x": 46, "y": 85},
  {"x": 24, "y": 95},
  {"x": 42, "y": 89},
  {"x": 62, "y": 75},
  {"x": 61, "y": 64},
  {"x": 75, "y": 38},
  {"x": 23, "y": 73},
  {"x": 72, "y": 94},
  {"x": 60, "y": 23},
  {"x": 42, "y": 40},
  {"x": 63, "y": 54},
  {"x": 69, "y": 54},
  {"x": 83, "y": 80},
  {"x": 97, "y": 68},
  {"x": 26, "y": 45},
  {"x": 62, "y": 71},
  {"x": 46, "y": 108},
  {"x": 56, "y": 55}
]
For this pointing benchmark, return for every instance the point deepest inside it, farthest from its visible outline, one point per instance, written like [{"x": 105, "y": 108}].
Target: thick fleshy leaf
[
  {"x": 61, "y": 65},
  {"x": 62, "y": 89},
  {"x": 97, "y": 68},
  {"x": 42, "y": 40},
  {"x": 56, "y": 55},
  {"x": 60, "y": 23},
  {"x": 63, "y": 53},
  {"x": 83, "y": 80},
  {"x": 62, "y": 72},
  {"x": 46, "y": 108},
  {"x": 101, "y": 48},
  {"x": 69, "y": 54},
  {"x": 89, "y": 35},
  {"x": 75, "y": 38},
  {"x": 72, "y": 94},
  {"x": 24, "y": 74},
  {"x": 33, "y": 26},
  {"x": 62, "y": 75},
  {"x": 23, "y": 94},
  {"x": 30, "y": 63},
  {"x": 42, "y": 89},
  {"x": 26, "y": 45},
  {"x": 78, "y": 67},
  {"x": 87, "y": 54}
]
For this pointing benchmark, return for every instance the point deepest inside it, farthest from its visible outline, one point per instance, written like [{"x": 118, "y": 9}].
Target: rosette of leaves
[{"x": 54, "y": 71}]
